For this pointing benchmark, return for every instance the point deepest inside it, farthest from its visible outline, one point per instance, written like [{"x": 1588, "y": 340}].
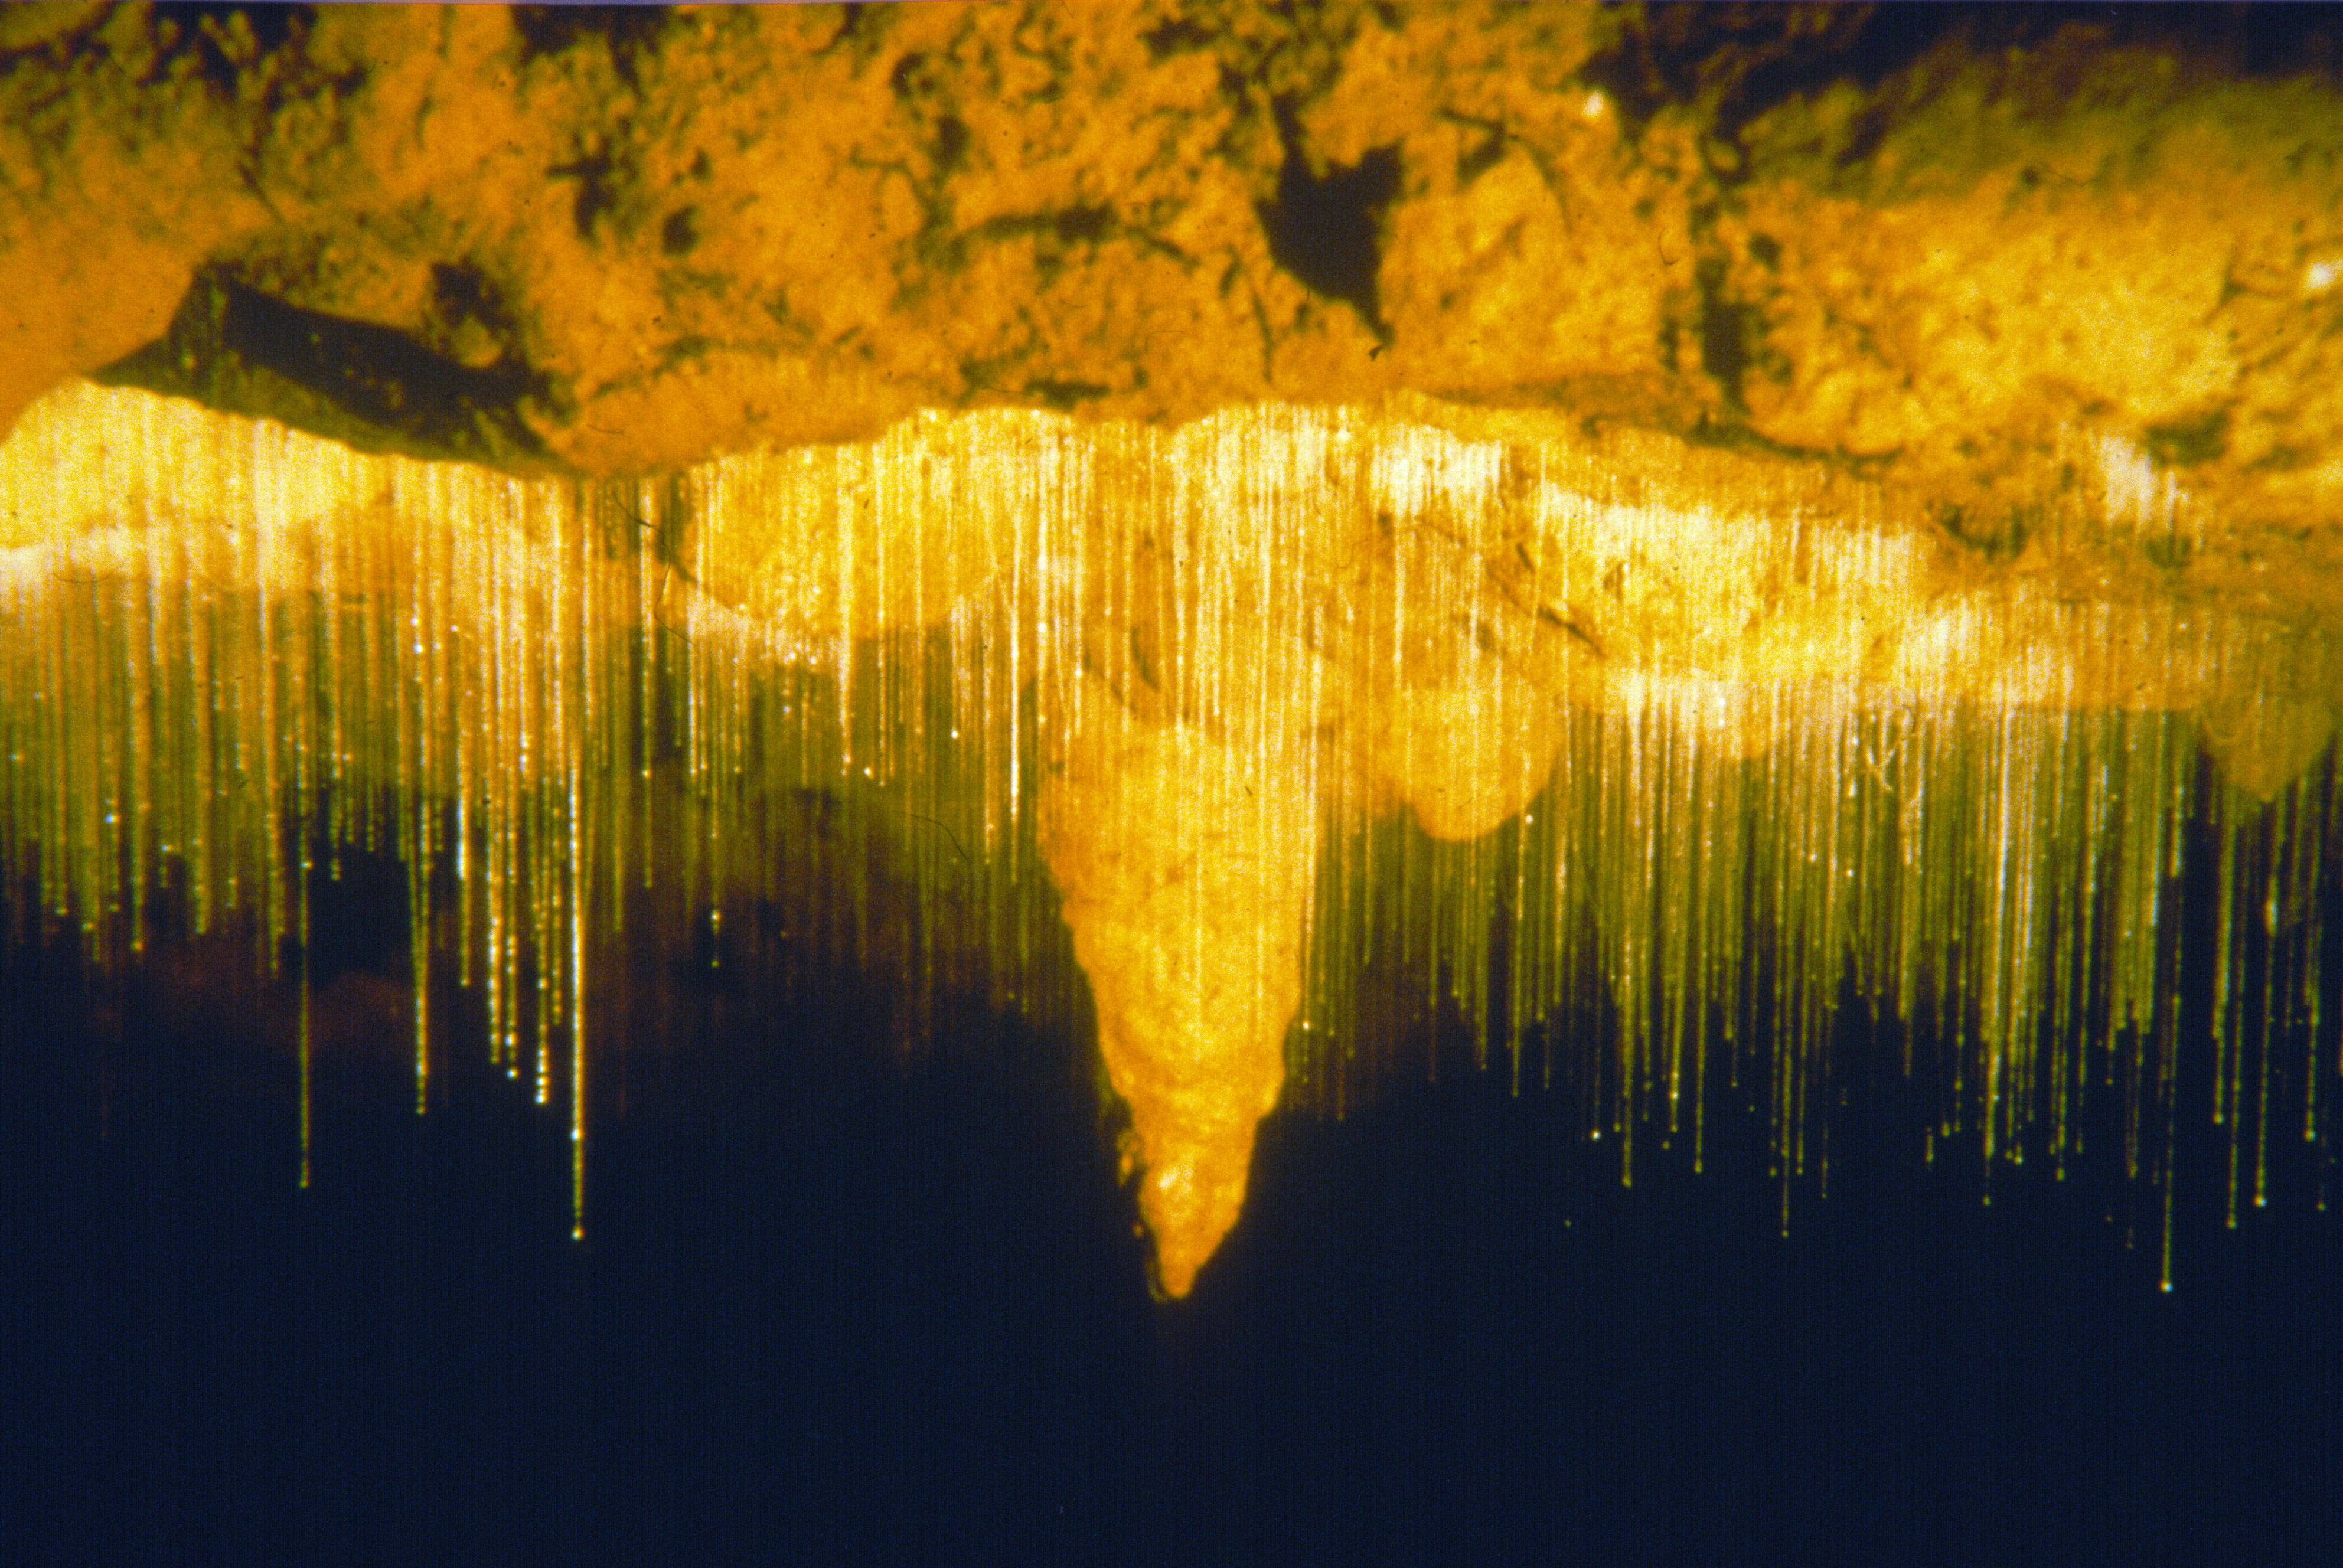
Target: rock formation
[{"x": 1710, "y": 353}]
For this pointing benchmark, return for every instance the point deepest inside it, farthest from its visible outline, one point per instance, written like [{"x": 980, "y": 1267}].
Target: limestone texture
[
  {"x": 1934, "y": 245},
  {"x": 2050, "y": 304}
]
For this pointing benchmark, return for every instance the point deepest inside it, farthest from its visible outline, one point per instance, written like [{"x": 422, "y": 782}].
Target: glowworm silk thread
[{"x": 1251, "y": 706}]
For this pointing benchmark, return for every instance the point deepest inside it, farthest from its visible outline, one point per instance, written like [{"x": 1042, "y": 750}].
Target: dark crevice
[
  {"x": 1054, "y": 232},
  {"x": 2185, "y": 442},
  {"x": 850, "y": 23},
  {"x": 689, "y": 346},
  {"x": 628, "y": 32},
  {"x": 1326, "y": 229},
  {"x": 1867, "y": 46},
  {"x": 594, "y": 193},
  {"x": 461, "y": 294},
  {"x": 1072, "y": 225},
  {"x": 1998, "y": 534},
  {"x": 1065, "y": 396},
  {"x": 224, "y": 40},
  {"x": 1180, "y": 35},
  {"x": 905, "y": 79},
  {"x": 1727, "y": 328},
  {"x": 951, "y": 142},
  {"x": 236, "y": 348},
  {"x": 1703, "y": 55},
  {"x": 1474, "y": 161},
  {"x": 1734, "y": 61}
]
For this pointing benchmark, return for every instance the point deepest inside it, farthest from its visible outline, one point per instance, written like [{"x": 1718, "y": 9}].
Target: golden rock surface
[
  {"x": 1186, "y": 867},
  {"x": 1323, "y": 399}
]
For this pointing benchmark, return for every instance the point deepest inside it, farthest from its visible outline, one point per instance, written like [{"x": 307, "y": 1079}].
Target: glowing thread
[{"x": 1274, "y": 698}]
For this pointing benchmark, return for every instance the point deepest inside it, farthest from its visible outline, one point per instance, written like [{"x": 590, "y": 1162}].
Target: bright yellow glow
[{"x": 1635, "y": 700}]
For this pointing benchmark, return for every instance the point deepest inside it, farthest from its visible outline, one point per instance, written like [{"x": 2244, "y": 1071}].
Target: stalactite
[{"x": 1256, "y": 704}]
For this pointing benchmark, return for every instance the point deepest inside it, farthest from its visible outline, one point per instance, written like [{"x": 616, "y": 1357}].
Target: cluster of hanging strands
[
  {"x": 2006, "y": 887},
  {"x": 266, "y": 650},
  {"x": 824, "y": 685}
]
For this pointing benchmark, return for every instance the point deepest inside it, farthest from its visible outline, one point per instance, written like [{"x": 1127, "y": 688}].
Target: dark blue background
[{"x": 830, "y": 1313}]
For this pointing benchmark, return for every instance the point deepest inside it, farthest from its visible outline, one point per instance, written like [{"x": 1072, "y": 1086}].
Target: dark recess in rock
[
  {"x": 1995, "y": 534},
  {"x": 1064, "y": 395},
  {"x": 236, "y": 348},
  {"x": 461, "y": 294},
  {"x": 1726, "y": 329},
  {"x": 904, "y": 80},
  {"x": 627, "y": 30},
  {"x": 1692, "y": 54},
  {"x": 1072, "y": 226},
  {"x": 2184, "y": 443},
  {"x": 951, "y": 142},
  {"x": 1174, "y": 37},
  {"x": 225, "y": 39},
  {"x": 1326, "y": 229},
  {"x": 1739, "y": 60},
  {"x": 593, "y": 176}
]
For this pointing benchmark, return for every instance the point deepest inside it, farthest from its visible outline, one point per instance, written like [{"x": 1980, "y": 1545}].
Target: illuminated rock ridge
[{"x": 1727, "y": 474}]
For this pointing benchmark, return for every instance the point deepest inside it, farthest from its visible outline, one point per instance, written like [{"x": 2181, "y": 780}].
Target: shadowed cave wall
[{"x": 1922, "y": 258}]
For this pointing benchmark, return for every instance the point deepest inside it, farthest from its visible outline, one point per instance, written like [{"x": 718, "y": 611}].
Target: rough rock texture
[
  {"x": 1187, "y": 868},
  {"x": 2054, "y": 299},
  {"x": 622, "y": 240}
]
